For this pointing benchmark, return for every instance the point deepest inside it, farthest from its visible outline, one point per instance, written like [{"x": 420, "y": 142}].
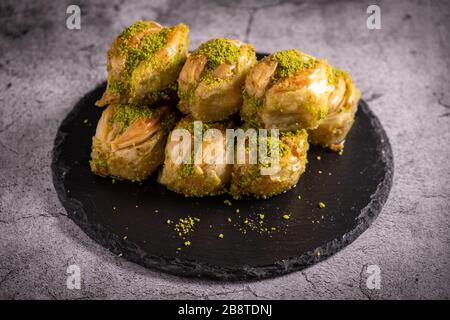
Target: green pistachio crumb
[
  {"x": 131, "y": 30},
  {"x": 185, "y": 226},
  {"x": 333, "y": 74},
  {"x": 98, "y": 162},
  {"x": 185, "y": 170},
  {"x": 125, "y": 114},
  {"x": 218, "y": 51},
  {"x": 149, "y": 44},
  {"x": 289, "y": 62}
]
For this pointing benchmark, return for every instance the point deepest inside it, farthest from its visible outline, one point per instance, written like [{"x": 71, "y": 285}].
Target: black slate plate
[{"x": 130, "y": 218}]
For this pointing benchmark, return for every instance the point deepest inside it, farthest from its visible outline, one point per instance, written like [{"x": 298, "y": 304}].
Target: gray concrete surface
[{"x": 402, "y": 69}]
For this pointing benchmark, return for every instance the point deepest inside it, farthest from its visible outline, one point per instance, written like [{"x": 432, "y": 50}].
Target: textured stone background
[{"x": 403, "y": 71}]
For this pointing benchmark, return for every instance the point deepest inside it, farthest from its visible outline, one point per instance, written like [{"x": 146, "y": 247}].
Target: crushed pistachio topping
[
  {"x": 136, "y": 27},
  {"x": 218, "y": 51},
  {"x": 99, "y": 162},
  {"x": 250, "y": 176},
  {"x": 289, "y": 62},
  {"x": 135, "y": 50},
  {"x": 184, "y": 226},
  {"x": 248, "y": 179},
  {"x": 125, "y": 114},
  {"x": 322, "y": 114},
  {"x": 118, "y": 87},
  {"x": 185, "y": 170},
  {"x": 255, "y": 106},
  {"x": 149, "y": 44},
  {"x": 334, "y": 73},
  {"x": 283, "y": 148},
  {"x": 257, "y": 222}
]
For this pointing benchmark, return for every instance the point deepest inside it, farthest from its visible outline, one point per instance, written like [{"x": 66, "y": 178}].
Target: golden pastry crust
[
  {"x": 247, "y": 179},
  {"x": 286, "y": 90},
  {"x": 144, "y": 62},
  {"x": 129, "y": 141},
  {"x": 210, "y": 83},
  {"x": 343, "y": 104},
  {"x": 204, "y": 178}
]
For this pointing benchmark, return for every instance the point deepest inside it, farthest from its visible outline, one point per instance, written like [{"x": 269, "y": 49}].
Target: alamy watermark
[
  {"x": 211, "y": 147},
  {"x": 373, "y": 281},
  {"x": 374, "y": 20},
  {"x": 73, "y": 281},
  {"x": 73, "y": 21}
]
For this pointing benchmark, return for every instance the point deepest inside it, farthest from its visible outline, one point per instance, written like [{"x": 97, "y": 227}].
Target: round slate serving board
[{"x": 130, "y": 219}]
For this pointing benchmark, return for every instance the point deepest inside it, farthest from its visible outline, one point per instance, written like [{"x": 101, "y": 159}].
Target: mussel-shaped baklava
[
  {"x": 144, "y": 62},
  {"x": 287, "y": 90},
  {"x": 206, "y": 172},
  {"x": 210, "y": 83},
  {"x": 251, "y": 180},
  {"x": 342, "y": 104},
  {"x": 129, "y": 141}
]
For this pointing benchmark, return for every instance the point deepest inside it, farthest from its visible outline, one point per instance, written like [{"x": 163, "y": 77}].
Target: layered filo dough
[
  {"x": 129, "y": 141},
  {"x": 342, "y": 107},
  {"x": 250, "y": 180},
  {"x": 144, "y": 63},
  {"x": 211, "y": 81},
  {"x": 209, "y": 174},
  {"x": 287, "y": 90}
]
